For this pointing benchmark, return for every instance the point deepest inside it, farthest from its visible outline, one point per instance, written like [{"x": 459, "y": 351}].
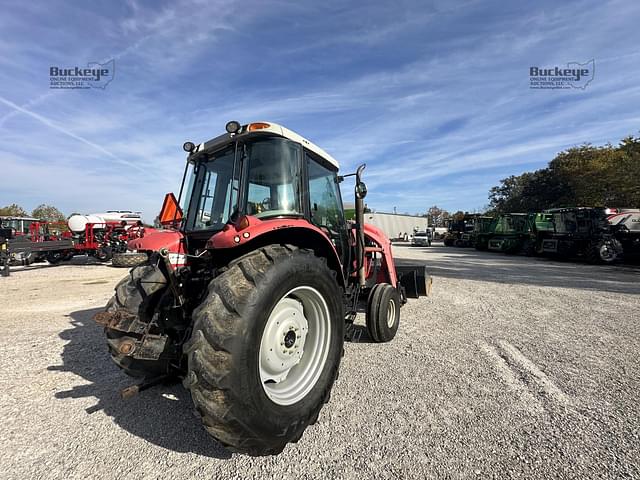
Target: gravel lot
[{"x": 515, "y": 367}]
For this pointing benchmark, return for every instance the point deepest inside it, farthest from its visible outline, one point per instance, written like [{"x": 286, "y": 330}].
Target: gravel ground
[{"x": 515, "y": 367}]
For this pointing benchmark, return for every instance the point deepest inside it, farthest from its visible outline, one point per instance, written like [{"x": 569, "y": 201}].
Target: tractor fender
[
  {"x": 377, "y": 236},
  {"x": 153, "y": 241},
  {"x": 251, "y": 233}
]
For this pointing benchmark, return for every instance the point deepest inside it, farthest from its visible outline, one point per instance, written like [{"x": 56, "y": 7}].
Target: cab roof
[{"x": 270, "y": 128}]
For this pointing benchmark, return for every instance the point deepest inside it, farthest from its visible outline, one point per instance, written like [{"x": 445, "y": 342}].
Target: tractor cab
[
  {"x": 481, "y": 229},
  {"x": 459, "y": 230},
  {"x": 20, "y": 225},
  {"x": 258, "y": 174},
  {"x": 511, "y": 233}
]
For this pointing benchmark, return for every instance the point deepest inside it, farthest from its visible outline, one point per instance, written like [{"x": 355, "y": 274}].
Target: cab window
[
  {"x": 325, "y": 202},
  {"x": 273, "y": 177}
]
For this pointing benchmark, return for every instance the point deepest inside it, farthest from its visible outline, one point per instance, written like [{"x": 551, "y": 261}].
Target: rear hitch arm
[{"x": 173, "y": 285}]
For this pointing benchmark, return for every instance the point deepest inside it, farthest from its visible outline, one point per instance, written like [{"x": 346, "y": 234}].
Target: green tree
[
  {"x": 458, "y": 216},
  {"x": 48, "y": 213},
  {"x": 437, "y": 216},
  {"x": 13, "y": 210},
  {"x": 507, "y": 197}
]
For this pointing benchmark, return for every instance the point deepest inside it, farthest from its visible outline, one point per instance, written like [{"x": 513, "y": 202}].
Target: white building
[{"x": 394, "y": 225}]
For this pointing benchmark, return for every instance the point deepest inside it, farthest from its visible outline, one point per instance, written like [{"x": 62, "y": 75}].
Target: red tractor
[{"x": 253, "y": 285}]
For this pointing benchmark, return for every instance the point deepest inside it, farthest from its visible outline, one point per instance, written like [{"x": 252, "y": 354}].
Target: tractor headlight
[
  {"x": 188, "y": 147},
  {"x": 232, "y": 127}
]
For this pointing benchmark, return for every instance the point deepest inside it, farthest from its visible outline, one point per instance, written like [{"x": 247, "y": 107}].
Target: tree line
[
  {"x": 589, "y": 176},
  {"x": 584, "y": 176},
  {"x": 41, "y": 212}
]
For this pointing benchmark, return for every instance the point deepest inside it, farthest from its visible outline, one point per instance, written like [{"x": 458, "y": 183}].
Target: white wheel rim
[
  {"x": 391, "y": 313},
  {"x": 294, "y": 345}
]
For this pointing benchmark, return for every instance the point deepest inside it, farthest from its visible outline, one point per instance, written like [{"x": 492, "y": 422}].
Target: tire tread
[{"x": 213, "y": 336}]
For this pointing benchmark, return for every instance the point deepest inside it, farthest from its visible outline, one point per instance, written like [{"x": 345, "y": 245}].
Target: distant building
[{"x": 395, "y": 226}]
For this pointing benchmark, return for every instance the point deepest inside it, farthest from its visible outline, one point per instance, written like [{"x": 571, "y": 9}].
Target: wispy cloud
[{"x": 64, "y": 131}]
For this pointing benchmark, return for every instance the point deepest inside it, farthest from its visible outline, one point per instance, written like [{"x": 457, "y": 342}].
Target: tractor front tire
[
  {"x": 383, "y": 312},
  {"x": 265, "y": 348},
  {"x": 128, "y": 259},
  {"x": 136, "y": 294},
  {"x": 604, "y": 251}
]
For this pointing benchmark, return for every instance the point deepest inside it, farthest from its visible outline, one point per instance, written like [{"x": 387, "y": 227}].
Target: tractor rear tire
[
  {"x": 383, "y": 312},
  {"x": 128, "y": 259},
  {"x": 231, "y": 348},
  {"x": 138, "y": 294}
]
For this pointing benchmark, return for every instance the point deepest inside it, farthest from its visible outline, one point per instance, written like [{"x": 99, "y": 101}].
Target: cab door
[{"x": 325, "y": 204}]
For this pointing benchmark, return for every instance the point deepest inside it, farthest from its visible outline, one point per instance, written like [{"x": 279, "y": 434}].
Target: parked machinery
[
  {"x": 580, "y": 232},
  {"x": 6, "y": 234},
  {"x": 625, "y": 226},
  {"x": 513, "y": 233},
  {"x": 21, "y": 228},
  {"x": 459, "y": 231},
  {"x": 481, "y": 227},
  {"x": 98, "y": 235}
]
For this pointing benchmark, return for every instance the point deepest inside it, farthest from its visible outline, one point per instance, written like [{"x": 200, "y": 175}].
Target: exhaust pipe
[{"x": 360, "y": 192}]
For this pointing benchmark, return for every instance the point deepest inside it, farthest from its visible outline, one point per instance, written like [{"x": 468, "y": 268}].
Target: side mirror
[
  {"x": 171, "y": 211},
  {"x": 361, "y": 190}
]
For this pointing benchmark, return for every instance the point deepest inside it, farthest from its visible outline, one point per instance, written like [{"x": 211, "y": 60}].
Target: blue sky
[{"x": 433, "y": 96}]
